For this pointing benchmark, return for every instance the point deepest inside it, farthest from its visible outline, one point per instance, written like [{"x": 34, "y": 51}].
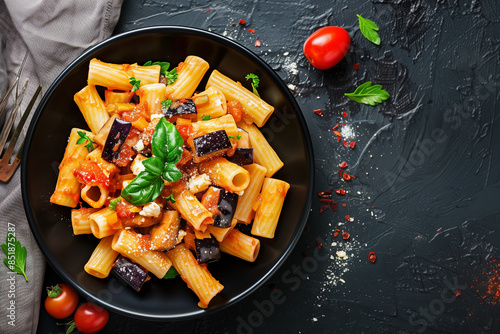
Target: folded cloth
[{"x": 53, "y": 33}]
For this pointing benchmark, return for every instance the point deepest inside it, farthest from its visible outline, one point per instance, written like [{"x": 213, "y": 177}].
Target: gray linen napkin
[{"x": 54, "y": 33}]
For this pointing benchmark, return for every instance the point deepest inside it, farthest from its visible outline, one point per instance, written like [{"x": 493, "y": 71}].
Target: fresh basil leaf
[
  {"x": 16, "y": 255},
  {"x": 153, "y": 165},
  {"x": 175, "y": 155},
  {"x": 171, "y": 76},
  {"x": 369, "y": 29},
  {"x": 170, "y": 198},
  {"x": 145, "y": 188},
  {"x": 171, "y": 173},
  {"x": 166, "y": 139},
  {"x": 368, "y": 94},
  {"x": 148, "y": 63}
]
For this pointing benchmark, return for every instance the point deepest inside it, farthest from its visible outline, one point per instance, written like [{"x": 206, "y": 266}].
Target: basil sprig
[
  {"x": 369, "y": 29},
  {"x": 167, "y": 151},
  {"x": 368, "y": 94}
]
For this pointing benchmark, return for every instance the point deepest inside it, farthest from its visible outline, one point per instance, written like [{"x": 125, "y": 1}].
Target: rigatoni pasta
[{"x": 167, "y": 176}]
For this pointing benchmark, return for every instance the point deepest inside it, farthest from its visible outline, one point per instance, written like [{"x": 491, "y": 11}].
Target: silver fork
[{"x": 8, "y": 167}]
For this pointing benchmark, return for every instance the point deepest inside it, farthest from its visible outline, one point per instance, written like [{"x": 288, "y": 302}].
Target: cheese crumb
[{"x": 151, "y": 209}]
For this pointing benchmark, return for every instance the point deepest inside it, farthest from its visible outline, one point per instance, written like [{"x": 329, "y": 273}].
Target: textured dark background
[{"x": 427, "y": 167}]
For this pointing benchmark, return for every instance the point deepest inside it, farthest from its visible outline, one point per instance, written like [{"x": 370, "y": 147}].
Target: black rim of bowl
[{"x": 159, "y": 29}]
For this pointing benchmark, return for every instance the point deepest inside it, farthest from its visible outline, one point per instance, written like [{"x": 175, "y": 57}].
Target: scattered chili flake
[
  {"x": 347, "y": 177},
  {"x": 347, "y": 217},
  {"x": 318, "y": 112},
  {"x": 355, "y": 66},
  {"x": 345, "y": 235},
  {"x": 335, "y": 234},
  {"x": 344, "y": 205},
  {"x": 337, "y": 133},
  {"x": 343, "y": 124},
  {"x": 344, "y": 114},
  {"x": 439, "y": 229},
  {"x": 372, "y": 257},
  {"x": 458, "y": 292},
  {"x": 344, "y": 142},
  {"x": 337, "y": 229},
  {"x": 257, "y": 43},
  {"x": 343, "y": 164},
  {"x": 341, "y": 172},
  {"x": 319, "y": 244},
  {"x": 325, "y": 193},
  {"x": 334, "y": 206},
  {"x": 242, "y": 22},
  {"x": 339, "y": 138},
  {"x": 251, "y": 30},
  {"x": 352, "y": 144},
  {"x": 207, "y": 10},
  {"x": 340, "y": 191},
  {"x": 336, "y": 126},
  {"x": 233, "y": 24},
  {"x": 323, "y": 208},
  {"x": 325, "y": 200}
]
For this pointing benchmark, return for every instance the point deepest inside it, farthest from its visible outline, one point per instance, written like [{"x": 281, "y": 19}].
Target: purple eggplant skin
[
  {"x": 116, "y": 137},
  {"x": 129, "y": 273},
  {"x": 187, "y": 108},
  {"x": 242, "y": 156},
  {"x": 211, "y": 142},
  {"x": 207, "y": 250},
  {"x": 227, "y": 206}
]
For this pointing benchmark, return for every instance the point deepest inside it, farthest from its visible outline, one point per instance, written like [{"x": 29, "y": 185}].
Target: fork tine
[
  {"x": 3, "y": 100},
  {"x": 12, "y": 117},
  {"x": 6, "y": 169}
]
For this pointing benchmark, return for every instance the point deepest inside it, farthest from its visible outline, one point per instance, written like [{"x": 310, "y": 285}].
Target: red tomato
[
  {"x": 327, "y": 46},
  {"x": 63, "y": 303},
  {"x": 90, "y": 318}
]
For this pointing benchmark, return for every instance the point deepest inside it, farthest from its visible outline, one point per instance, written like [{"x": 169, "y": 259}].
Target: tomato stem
[{"x": 54, "y": 291}]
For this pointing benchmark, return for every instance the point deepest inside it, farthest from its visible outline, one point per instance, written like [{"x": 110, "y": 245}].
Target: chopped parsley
[
  {"x": 206, "y": 117},
  {"x": 136, "y": 84},
  {"x": 165, "y": 104},
  {"x": 84, "y": 137},
  {"x": 255, "y": 82}
]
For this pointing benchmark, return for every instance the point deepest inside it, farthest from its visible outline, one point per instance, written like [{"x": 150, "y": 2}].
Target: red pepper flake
[
  {"x": 347, "y": 177},
  {"x": 257, "y": 43},
  {"x": 242, "y": 22},
  {"x": 458, "y": 293},
  {"x": 352, "y": 144},
  {"x": 372, "y": 257},
  {"x": 344, "y": 205},
  {"x": 335, "y": 234},
  {"x": 347, "y": 217},
  {"x": 336, "y": 126},
  {"x": 207, "y": 10},
  {"x": 323, "y": 208},
  {"x": 325, "y": 193},
  {"x": 343, "y": 124},
  {"x": 344, "y": 114},
  {"x": 325, "y": 200},
  {"x": 251, "y": 30},
  {"x": 339, "y": 138},
  {"x": 334, "y": 206},
  {"x": 341, "y": 172},
  {"x": 344, "y": 142},
  {"x": 319, "y": 244},
  {"x": 340, "y": 191},
  {"x": 337, "y": 133},
  {"x": 318, "y": 112},
  {"x": 345, "y": 235},
  {"x": 343, "y": 164},
  {"x": 355, "y": 66}
]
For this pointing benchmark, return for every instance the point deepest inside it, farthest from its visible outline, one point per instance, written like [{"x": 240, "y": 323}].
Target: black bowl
[{"x": 47, "y": 138}]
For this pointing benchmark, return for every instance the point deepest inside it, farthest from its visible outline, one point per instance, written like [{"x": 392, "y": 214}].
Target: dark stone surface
[{"x": 426, "y": 162}]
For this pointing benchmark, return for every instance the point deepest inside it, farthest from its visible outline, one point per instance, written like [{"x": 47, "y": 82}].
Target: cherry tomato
[
  {"x": 61, "y": 301},
  {"x": 90, "y": 318},
  {"x": 326, "y": 47}
]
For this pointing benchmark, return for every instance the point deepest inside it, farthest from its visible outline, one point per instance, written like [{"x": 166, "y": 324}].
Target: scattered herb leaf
[
  {"x": 136, "y": 84},
  {"x": 368, "y": 94},
  {"x": 16, "y": 255},
  {"x": 84, "y": 137},
  {"x": 369, "y": 29},
  {"x": 255, "y": 82},
  {"x": 165, "y": 104},
  {"x": 170, "y": 198},
  {"x": 114, "y": 202},
  {"x": 171, "y": 76},
  {"x": 171, "y": 273},
  {"x": 205, "y": 117}
]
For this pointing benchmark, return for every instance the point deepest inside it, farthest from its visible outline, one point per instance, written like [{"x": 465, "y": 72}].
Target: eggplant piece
[
  {"x": 242, "y": 156},
  {"x": 207, "y": 250},
  {"x": 211, "y": 142},
  {"x": 181, "y": 108},
  {"x": 116, "y": 137},
  {"x": 226, "y": 204},
  {"x": 129, "y": 273}
]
